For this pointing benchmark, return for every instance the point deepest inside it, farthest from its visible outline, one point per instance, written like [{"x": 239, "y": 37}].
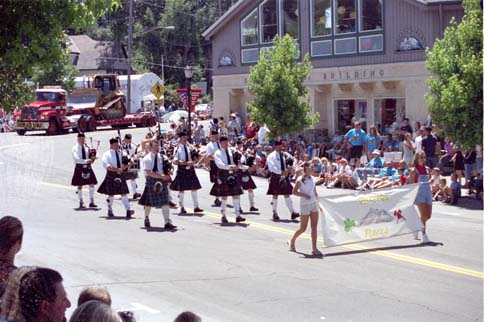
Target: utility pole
[
  {"x": 219, "y": 8},
  {"x": 162, "y": 70},
  {"x": 130, "y": 40}
]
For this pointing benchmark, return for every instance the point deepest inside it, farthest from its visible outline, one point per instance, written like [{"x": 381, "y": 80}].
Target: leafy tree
[
  {"x": 32, "y": 35},
  {"x": 455, "y": 97},
  {"x": 281, "y": 100},
  {"x": 62, "y": 73},
  {"x": 14, "y": 92}
]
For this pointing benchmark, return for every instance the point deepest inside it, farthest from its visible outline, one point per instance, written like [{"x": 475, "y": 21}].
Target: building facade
[{"x": 368, "y": 56}]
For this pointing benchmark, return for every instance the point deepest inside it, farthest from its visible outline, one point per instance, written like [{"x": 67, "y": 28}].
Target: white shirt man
[
  {"x": 129, "y": 149},
  {"x": 262, "y": 134},
  {"x": 83, "y": 174}
]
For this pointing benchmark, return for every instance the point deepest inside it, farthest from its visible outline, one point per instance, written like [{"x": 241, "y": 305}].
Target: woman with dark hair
[
  {"x": 421, "y": 174},
  {"x": 305, "y": 188},
  {"x": 11, "y": 235}
]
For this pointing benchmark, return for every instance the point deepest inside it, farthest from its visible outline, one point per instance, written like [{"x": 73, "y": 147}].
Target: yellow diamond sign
[{"x": 158, "y": 90}]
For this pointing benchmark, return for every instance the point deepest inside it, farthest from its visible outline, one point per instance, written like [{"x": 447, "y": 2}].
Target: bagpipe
[{"x": 93, "y": 150}]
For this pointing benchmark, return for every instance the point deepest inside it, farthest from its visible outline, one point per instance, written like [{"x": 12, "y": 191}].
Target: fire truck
[{"x": 99, "y": 103}]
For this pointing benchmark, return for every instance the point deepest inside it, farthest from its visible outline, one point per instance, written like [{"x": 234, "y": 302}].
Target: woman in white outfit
[{"x": 305, "y": 188}]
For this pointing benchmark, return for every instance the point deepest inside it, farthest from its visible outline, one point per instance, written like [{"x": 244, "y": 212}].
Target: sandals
[
  {"x": 317, "y": 253},
  {"x": 291, "y": 248}
]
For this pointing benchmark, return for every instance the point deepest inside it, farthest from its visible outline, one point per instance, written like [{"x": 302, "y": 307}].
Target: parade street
[{"x": 235, "y": 272}]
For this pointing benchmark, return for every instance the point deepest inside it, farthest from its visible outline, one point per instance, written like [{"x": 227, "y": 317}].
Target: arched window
[{"x": 410, "y": 43}]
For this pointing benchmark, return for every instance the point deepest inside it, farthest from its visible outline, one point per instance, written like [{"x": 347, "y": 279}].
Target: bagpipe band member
[
  {"x": 247, "y": 163},
  {"x": 83, "y": 173},
  {"x": 213, "y": 147},
  {"x": 186, "y": 177},
  {"x": 228, "y": 182},
  {"x": 156, "y": 193},
  {"x": 279, "y": 183},
  {"x": 129, "y": 150},
  {"x": 115, "y": 183}
]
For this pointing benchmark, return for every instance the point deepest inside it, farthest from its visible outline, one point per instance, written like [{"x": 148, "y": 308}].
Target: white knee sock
[
  {"x": 251, "y": 198},
  {"x": 79, "y": 194},
  {"x": 165, "y": 210},
  {"x": 110, "y": 202},
  {"x": 223, "y": 206},
  {"x": 147, "y": 211},
  {"x": 181, "y": 197},
  {"x": 133, "y": 186},
  {"x": 274, "y": 205},
  {"x": 125, "y": 201},
  {"x": 170, "y": 198},
  {"x": 91, "y": 194},
  {"x": 288, "y": 201},
  {"x": 195, "y": 199},
  {"x": 237, "y": 207}
]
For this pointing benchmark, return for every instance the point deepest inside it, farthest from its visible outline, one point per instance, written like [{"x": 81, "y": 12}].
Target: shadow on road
[
  {"x": 191, "y": 214},
  {"x": 159, "y": 230},
  {"x": 86, "y": 209},
  {"x": 232, "y": 224},
  {"x": 371, "y": 250},
  {"x": 286, "y": 221},
  {"x": 116, "y": 218}
]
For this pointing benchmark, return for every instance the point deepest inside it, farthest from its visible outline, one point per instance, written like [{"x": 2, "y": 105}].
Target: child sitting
[
  {"x": 442, "y": 191},
  {"x": 455, "y": 189},
  {"x": 435, "y": 180}
]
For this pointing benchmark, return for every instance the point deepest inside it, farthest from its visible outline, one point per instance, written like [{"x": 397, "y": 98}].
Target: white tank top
[{"x": 307, "y": 187}]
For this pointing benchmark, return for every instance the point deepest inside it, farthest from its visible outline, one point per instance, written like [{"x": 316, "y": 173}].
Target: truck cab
[{"x": 47, "y": 112}]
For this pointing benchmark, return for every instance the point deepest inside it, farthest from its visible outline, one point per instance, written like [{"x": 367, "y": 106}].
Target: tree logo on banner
[{"x": 349, "y": 224}]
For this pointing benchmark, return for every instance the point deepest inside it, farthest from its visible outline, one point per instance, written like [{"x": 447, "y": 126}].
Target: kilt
[
  {"x": 185, "y": 179},
  {"x": 152, "y": 199},
  {"x": 213, "y": 171},
  {"x": 246, "y": 180},
  {"x": 278, "y": 187},
  {"x": 83, "y": 175},
  {"x": 112, "y": 186},
  {"x": 222, "y": 188}
]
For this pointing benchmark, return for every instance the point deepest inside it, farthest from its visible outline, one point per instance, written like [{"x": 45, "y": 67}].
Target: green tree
[
  {"x": 33, "y": 36},
  {"x": 455, "y": 97},
  {"x": 281, "y": 100}
]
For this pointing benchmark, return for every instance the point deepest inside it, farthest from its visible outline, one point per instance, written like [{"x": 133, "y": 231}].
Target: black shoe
[
  {"x": 170, "y": 226},
  {"x": 92, "y": 205},
  {"x": 81, "y": 205},
  {"x": 294, "y": 215},
  {"x": 137, "y": 195},
  {"x": 239, "y": 219},
  {"x": 275, "y": 216},
  {"x": 253, "y": 209},
  {"x": 110, "y": 213},
  {"x": 172, "y": 205},
  {"x": 217, "y": 203},
  {"x": 197, "y": 210},
  {"x": 129, "y": 214},
  {"x": 224, "y": 220},
  {"x": 183, "y": 210},
  {"x": 241, "y": 211},
  {"x": 147, "y": 223}
]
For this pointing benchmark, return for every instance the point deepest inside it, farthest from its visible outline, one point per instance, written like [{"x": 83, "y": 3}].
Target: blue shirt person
[{"x": 356, "y": 136}]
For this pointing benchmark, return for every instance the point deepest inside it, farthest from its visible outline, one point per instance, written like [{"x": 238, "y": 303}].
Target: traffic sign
[{"x": 158, "y": 90}]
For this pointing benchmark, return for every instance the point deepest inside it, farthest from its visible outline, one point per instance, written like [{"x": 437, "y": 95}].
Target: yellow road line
[{"x": 387, "y": 254}]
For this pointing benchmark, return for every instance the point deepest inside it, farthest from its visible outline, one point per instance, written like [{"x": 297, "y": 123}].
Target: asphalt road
[{"x": 236, "y": 273}]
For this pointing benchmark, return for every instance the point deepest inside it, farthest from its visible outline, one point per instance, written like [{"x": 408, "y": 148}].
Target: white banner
[{"x": 364, "y": 216}]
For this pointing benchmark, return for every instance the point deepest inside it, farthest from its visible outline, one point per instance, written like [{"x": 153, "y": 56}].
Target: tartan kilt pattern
[
  {"x": 246, "y": 180},
  {"x": 110, "y": 186},
  {"x": 185, "y": 179},
  {"x": 152, "y": 199},
  {"x": 83, "y": 175},
  {"x": 279, "y": 187},
  {"x": 213, "y": 171},
  {"x": 221, "y": 187}
]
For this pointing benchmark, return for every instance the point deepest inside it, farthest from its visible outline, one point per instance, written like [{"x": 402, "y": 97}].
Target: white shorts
[{"x": 307, "y": 208}]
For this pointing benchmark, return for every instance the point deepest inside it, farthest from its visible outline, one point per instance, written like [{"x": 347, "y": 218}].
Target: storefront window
[
  {"x": 371, "y": 15},
  {"x": 249, "y": 29},
  {"x": 389, "y": 114},
  {"x": 268, "y": 21},
  {"x": 290, "y": 18},
  {"x": 322, "y": 19},
  {"x": 350, "y": 111},
  {"x": 345, "y": 16}
]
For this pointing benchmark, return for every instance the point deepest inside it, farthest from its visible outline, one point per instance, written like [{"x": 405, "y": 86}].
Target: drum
[{"x": 135, "y": 166}]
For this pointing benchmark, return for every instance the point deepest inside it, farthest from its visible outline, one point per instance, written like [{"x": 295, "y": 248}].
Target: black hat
[
  {"x": 214, "y": 132},
  {"x": 182, "y": 134},
  {"x": 223, "y": 138},
  {"x": 277, "y": 142},
  {"x": 81, "y": 135},
  {"x": 113, "y": 140},
  {"x": 240, "y": 141},
  {"x": 127, "y": 137}
]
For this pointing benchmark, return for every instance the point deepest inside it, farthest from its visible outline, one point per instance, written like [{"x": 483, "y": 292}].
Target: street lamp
[{"x": 188, "y": 75}]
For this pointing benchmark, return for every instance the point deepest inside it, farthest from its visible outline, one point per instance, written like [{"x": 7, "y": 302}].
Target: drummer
[{"x": 129, "y": 150}]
